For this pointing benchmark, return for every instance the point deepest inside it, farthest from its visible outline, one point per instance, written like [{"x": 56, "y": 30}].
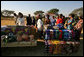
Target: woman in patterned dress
[{"x": 78, "y": 27}]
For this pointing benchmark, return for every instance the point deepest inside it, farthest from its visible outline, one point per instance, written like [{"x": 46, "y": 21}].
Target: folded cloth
[
  {"x": 62, "y": 47},
  {"x": 60, "y": 26},
  {"x": 59, "y": 34},
  {"x": 55, "y": 27}
]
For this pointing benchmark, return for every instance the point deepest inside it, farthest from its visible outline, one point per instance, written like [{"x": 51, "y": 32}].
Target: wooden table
[{"x": 19, "y": 44}]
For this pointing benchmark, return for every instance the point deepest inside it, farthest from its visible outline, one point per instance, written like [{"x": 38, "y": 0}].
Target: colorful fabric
[
  {"x": 79, "y": 25},
  {"x": 3, "y": 28},
  {"x": 39, "y": 24},
  {"x": 17, "y": 29},
  {"x": 60, "y": 26},
  {"x": 59, "y": 21},
  {"x": 56, "y": 42},
  {"x": 47, "y": 21},
  {"x": 21, "y": 22},
  {"x": 59, "y": 34},
  {"x": 53, "y": 44},
  {"x": 62, "y": 47},
  {"x": 70, "y": 25}
]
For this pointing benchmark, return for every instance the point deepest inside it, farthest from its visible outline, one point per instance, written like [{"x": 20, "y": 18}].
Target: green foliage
[
  {"x": 53, "y": 11},
  {"x": 78, "y": 12},
  {"x": 38, "y": 12},
  {"x": 6, "y": 12}
]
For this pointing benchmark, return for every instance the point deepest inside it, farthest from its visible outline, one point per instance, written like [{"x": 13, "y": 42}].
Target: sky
[{"x": 29, "y": 7}]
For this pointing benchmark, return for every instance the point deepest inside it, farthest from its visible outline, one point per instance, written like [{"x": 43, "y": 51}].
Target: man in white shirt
[
  {"x": 39, "y": 26},
  {"x": 39, "y": 23},
  {"x": 20, "y": 20}
]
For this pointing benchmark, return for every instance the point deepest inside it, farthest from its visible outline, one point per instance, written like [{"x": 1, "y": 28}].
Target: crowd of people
[
  {"x": 20, "y": 20},
  {"x": 68, "y": 23}
]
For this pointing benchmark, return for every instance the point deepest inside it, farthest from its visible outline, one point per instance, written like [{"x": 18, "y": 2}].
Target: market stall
[
  {"x": 60, "y": 40},
  {"x": 57, "y": 40},
  {"x": 18, "y": 36},
  {"x": 61, "y": 47},
  {"x": 57, "y": 34}
]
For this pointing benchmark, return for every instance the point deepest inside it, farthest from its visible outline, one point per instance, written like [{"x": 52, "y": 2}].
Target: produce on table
[
  {"x": 31, "y": 37},
  {"x": 19, "y": 35},
  {"x": 19, "y": 38},
  {"x": 25, "y": 37}
]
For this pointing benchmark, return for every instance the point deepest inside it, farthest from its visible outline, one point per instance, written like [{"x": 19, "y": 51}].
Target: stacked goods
[
  {"x": 8, "y": 38},
  {"x": 67, "y": 34},
  {"x": 60, "y": 41},
  {"x": 55, "y": 27},
  {"x": 50, "y": 27},
  {"x": 59, "y": 34},
  {"x": 60, "y": 26},
  {"x": 15, "y": 29},
  {"x": 61, "y": 47},
  {"x": 45, "y": 27},
  {"x": 19, "y": 33}
]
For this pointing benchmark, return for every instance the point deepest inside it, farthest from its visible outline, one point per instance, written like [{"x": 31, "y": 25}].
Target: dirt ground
[{"x": 8, "y": 22}]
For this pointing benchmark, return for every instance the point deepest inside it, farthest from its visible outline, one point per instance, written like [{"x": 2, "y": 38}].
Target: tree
[
  {"x": 7, "y": 12},
  {"x": 38, "y": 12},
  {"x": 53, "y": 11},
  {"x": 78, "y": 12}
]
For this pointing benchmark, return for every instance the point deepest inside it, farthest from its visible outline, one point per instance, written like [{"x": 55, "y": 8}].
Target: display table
[
  {"x": 60, "y": 41},
  {"x": 19, "y": 44},
  {"x": 61, "y": 47},
  {"x": 13, "y": 31}
]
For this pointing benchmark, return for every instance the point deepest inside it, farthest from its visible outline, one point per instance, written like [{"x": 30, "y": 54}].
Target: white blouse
[
  {"x": 21, "y": 21},
  {"x": 39, "y": 24}
]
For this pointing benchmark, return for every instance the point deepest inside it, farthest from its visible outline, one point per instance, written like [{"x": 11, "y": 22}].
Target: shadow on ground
[{"x": 35, "y": 51}]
